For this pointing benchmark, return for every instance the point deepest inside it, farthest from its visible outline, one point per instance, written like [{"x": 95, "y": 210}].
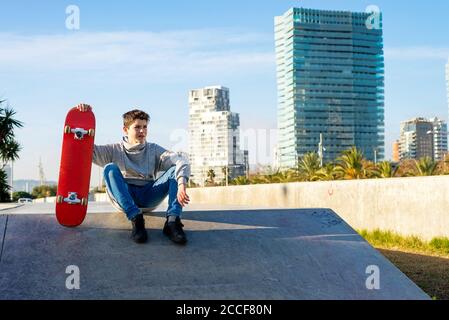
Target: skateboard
[{"x": 75, "y": 167}]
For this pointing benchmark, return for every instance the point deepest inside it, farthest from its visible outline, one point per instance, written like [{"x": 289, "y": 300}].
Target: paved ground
[
  {"x": 6, "y": 206},
  {"x": 239, "y": 253}
]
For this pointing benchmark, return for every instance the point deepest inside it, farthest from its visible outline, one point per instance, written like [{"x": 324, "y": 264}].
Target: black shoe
[
  {"x": 174, "y": 231},
  {"x": 139, "y": 234}
]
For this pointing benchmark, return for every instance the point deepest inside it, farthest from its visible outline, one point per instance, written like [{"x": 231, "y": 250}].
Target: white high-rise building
[
  {"x": 214, "y": 136},
  {"x": 423, "y": 138},
  {"x": 416, "y": 139},
  {"x": 439, "y": 138},
  {"x": 447, "y": 81}
]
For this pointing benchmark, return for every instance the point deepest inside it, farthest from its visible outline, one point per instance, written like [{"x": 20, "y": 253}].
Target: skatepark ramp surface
[{"x": 232, "y": 253}]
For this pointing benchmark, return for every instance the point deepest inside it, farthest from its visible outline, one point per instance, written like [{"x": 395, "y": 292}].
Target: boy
[{"x": 130, "y": 170}]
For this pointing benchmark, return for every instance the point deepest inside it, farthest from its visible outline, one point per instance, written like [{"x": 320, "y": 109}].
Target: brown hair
[{"x": 133, "y": 115}]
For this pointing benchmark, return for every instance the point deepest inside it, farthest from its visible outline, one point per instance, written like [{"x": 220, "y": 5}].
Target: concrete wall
[
  {"x": 101, "y": 197},
  {"x": 53, "y": 199},
  {"x": 45, "y": 200},
  {"x": 409, "y": 206}
]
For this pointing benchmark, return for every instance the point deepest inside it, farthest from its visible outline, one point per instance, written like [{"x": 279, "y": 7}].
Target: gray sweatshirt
[{"x": 140, "y": 163}]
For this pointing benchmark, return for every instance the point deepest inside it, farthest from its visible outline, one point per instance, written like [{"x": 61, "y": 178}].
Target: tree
[
  {"x": 285, "y": 176},
  {"x": 210, "y": 177},
  {"x": 352, "y": 165},
  {"x": 4, "y": 187},
  {"x": 308, "y": 166},
  {"x": 259, "y": 179},
  {"x": 386, "y": 170},
  {"x": 9, "y": 147},
  {"x": 425, "y": 167},
  {"x": 193, "y": 184},
  {"x": 442, "y": 166},
  {"x": 326, "y": 173},
  {"x": 225, "y": 172},
  {"x": 241, "y": 180},
  {"x": 406, "y": 168},
  {"x": 21, "y": 194},
  {"x": 44, "y": 191}
]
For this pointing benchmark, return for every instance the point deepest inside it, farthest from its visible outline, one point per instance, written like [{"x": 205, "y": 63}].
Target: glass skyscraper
[{"x": 330, "y": 77}]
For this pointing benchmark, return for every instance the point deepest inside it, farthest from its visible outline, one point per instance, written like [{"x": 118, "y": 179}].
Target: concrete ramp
[{"x": 233, "y": 254}]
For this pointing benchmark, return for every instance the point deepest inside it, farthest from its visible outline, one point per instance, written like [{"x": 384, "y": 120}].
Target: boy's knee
[
  {"x": 171, "y": 172},
  {"x": 110, "y": 167}
]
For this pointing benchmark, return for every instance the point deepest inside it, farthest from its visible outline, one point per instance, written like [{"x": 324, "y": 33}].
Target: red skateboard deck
[{"x": 76, "y": 165}]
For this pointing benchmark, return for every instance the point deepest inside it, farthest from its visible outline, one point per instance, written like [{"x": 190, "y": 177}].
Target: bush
[
  {"x": 99, "y": 189},
  {"x": 44, "y": 191},
  {"x": 389, "y": 239},
  {"x": 21, "y": 194},
  {"x": 440, "y": 244}
]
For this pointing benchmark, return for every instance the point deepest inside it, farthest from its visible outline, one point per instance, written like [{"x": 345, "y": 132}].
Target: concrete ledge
[
  {"x": 7, "y": 206},
  {"x": 409, "y": 206},
  {"x": 45, "y": 200}
]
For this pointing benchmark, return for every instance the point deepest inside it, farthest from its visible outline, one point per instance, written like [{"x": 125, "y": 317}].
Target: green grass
[{"x": 391, "y": 240}]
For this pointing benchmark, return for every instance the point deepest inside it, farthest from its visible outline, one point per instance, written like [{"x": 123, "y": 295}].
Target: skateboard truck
[
  {"x": 79, "y": 132},
  {"x": 72, "y": 198}
]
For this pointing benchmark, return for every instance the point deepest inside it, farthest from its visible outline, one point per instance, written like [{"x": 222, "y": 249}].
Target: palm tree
[
  {"x": 386, "y": 170},
  {"x": 406, "y": 168},
  {"x": 326, "y": 173},
  {"x": 441, "y": 168},
  {"x": 290, "y": 176},
  {"x": 308, "y": 166},
  {"x": 241, "y": 180},
  {"x": 224, "y": 170},
  {"x": 283, "y": 176},
  {"x": 259, "y": 179},
  {"x": 269, "y": 178},
  {"x": 352, "y": 165},
  {"x": 4, "y": 187},
  {"x": 9, "y": 147},
  {"x": 425, "y": 167},
  {"x": 211, "y": 176}
]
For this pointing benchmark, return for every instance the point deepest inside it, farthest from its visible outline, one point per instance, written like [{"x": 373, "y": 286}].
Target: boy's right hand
[{"x": 84, "y": 107}]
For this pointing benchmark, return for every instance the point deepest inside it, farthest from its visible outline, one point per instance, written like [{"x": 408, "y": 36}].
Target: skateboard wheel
[
  {"x": 84, "y": 202},
  {"x": 59, "y": 199},
  {"x": 67, "y": 129},
  {"x": 91, "y": 132}
]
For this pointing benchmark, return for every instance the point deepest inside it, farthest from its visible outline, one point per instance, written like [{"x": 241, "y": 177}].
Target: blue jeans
[{"x": 131, "y": 197}]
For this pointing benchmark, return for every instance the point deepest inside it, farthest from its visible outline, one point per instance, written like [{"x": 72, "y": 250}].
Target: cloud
[
  {"x": 183, "y": 54},
  {"x": 417, "y": 53}
]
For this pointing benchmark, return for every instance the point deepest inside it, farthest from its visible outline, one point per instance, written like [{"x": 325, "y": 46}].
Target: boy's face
[{"x": 137, "y": 131}]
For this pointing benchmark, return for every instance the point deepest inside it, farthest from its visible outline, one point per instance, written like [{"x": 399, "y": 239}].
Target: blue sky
[{"x": 150, "y": 54}]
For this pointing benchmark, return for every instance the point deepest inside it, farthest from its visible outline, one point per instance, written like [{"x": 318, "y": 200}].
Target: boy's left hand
[
  {"x": 183, "y": 198},
  {"x": 83, "y": 107}
]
